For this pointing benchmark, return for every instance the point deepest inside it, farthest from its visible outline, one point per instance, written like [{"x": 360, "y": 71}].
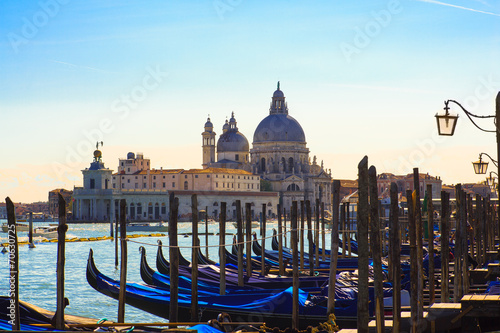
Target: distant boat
[
  {"x": 254, "y": 224},
  {"x": 45, "y": 231},
  {"x": 146, "y": 227},
  {"x": 19, "y": 227}
]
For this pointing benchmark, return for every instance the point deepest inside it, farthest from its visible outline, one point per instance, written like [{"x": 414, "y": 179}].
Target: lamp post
[{"x": 447, "y": 123}]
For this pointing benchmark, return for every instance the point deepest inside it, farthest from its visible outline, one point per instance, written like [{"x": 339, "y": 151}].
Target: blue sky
[{"x": 361, "y": 77}]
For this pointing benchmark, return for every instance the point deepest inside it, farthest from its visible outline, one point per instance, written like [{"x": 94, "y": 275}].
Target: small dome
[
  {"x": 279, "y": 127},
  {"x": 278, "y": 93},
  {"x": 225, "y": 127},
  {"x": 130, "y": 156},
  {"x": 232, "y": 141},
  {"x": 209, "y": 123},
  {"x": 97, "y": 154}
]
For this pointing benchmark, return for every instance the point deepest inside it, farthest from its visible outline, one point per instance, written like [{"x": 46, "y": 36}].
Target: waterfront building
[
  {"x": 147, "y": 190},
  {"x": 53, "y": 206},
  {"x": 405, "y": 182}
]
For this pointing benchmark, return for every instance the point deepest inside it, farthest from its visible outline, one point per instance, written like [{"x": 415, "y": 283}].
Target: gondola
[
  {"x": 274, "y": 308},
  {"x": 212, "y": 272}
]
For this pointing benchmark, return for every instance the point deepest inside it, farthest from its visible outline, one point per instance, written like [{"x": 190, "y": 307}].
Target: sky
[{"x": 361, "y": 77}]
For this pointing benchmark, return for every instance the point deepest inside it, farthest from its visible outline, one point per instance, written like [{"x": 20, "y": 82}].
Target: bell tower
[{"x": 208, "y": 144}]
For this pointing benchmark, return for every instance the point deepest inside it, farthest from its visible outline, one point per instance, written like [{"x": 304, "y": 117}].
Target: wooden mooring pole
[
  {"x": 13, "y": 308},
  {"x": 445, "y": 248},
  {"x": 412, "y": 231},
  {"x": 376, "y": 249},
  {"x": 420, "y": 253},
  {"x": 239, "y": 222},
  {"x": 194, "y": 258},
  {"x": 430, "y": 234},
  {"x": 295, "y": 265},
  {"x": 173, "y": 252},
  {"x": 280, "y": 243},
  {"x": 316, "y": 234},
  {"x": 363, "y": 250},
  {"x": 302, "y": 234},
  {"x": 61, "y": 259},
  {"x": 310, "y": 237},
  {"x": 395, "y": 253},
  {"x": 334, "y": 247},
  {"x": 222, "y": 248},
  {"x": 123, "y": 261},
  {"x": 248, "y": 227},
  {"x": 263, "y": 242}
]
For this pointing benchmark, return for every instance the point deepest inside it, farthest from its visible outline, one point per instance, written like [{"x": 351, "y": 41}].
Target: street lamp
[
  {"x": 446, "y": 122},
  {"x": 490, "y": 181},
  {"x": 481, "y": 167}
]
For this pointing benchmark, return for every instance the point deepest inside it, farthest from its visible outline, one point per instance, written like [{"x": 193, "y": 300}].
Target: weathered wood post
[
  {"x": 375, "y": 249},
  {"x": 323, "y": 235},
  {"x": 310, "y": 237},
  {"x": 413, "y": 261},
  {"x": 239, "y": 223},
  {"x": 445, "y": 248},
  {"x": 472, "y": 220},
  {"x": 194, "y": 258},
  {"x": 302, "y": 234},
  {"x": 430, "y": 233},
  {"x": 30, "y": 231},
  {"x": 14, "y": 314},
  {"x": 123, "y": 261},
  {"x": 316, "y": 234},
  {"x": 222, "y": 248},
  {"x": 420, "y": 247},
  {"x": 395, "y": 248},
  {"x": 349, "y": 235},
  {"x": 284, "y": 225},
  {"x": 248, "y": 226},
  {"x": 457, "y": 284},
  {"x": 295, "y": 265},
  {"x": 173, "y": 257},
  {"x": 342, "y": 228},
  {"x": 363, "y": 250},
  {"x": 206, "y": 230},
  {"x": 463, "y": 244},
  {"x": 280, "y": 243},
  {"x": 334, "y": 246},
  {"x": 263, "y": 242},
  {"x": 117, "y": 222}
]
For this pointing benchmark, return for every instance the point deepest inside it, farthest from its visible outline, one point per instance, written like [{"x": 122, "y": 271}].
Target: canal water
[{"x": 37, "y": 267}]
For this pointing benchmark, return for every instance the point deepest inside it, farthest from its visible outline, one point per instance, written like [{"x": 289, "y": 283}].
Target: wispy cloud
[
  {"x": 459, "y": 7},
  {"x": 82, "y": 67}
]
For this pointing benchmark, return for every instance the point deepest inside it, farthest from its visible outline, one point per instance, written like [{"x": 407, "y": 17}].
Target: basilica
[
  {"x": 279, "y": 155},
  {"x": 276, "y": 169}
]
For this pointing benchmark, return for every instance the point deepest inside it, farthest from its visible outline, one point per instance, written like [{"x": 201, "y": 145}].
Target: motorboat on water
[
  {"x": 19, "y": 227},
  {"x": 146, "y": 227},
  {"x": 46, "y": 231}
]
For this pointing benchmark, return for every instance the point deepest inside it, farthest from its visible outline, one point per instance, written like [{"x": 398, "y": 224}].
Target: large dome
[
  {"x": 232, "y": 141},
  {"x": 279, "y": 127}
]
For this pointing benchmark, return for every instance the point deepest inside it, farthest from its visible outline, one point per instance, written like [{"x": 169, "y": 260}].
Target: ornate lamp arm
[{"x": 469, "y": 115}]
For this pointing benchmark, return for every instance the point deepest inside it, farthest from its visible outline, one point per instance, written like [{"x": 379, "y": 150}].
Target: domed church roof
[
  {"x": 279, "y": 125},
  {"x": 232, "y": 139}
]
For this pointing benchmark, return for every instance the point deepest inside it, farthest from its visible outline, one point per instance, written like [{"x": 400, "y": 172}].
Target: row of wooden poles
[{"x": 174, "y": 251}]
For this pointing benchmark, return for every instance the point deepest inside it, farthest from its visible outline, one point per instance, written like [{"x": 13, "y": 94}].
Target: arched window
[
  {"x": 290, "y": 164},
  {"x": 186, "y": 185},
  {"x": 293, "y": 187},
  {"x": 263, "y": 164}
]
